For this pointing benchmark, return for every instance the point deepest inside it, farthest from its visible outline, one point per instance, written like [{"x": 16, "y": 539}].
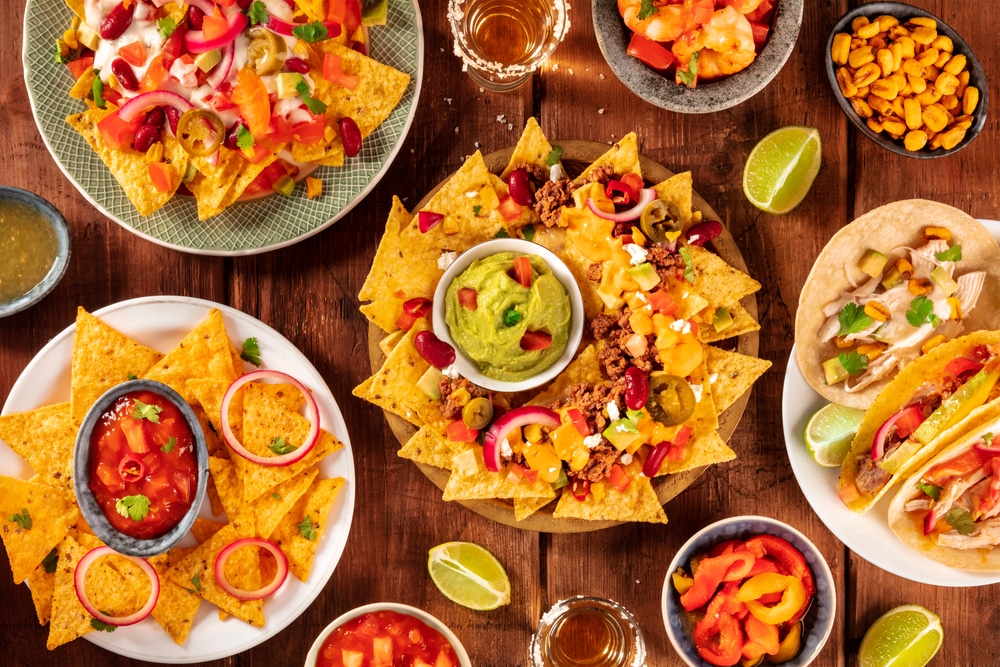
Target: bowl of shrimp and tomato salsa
[{"x": 696, "y": 56}]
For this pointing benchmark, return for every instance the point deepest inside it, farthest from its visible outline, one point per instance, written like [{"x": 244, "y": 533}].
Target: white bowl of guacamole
[{"x": 511, "y": 331}]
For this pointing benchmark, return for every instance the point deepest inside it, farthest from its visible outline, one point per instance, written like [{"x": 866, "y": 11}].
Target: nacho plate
[
  {"x": 160, "y": 322},
  {"x": 247, "y": 227},
  {"x": 576, "y": 156}
]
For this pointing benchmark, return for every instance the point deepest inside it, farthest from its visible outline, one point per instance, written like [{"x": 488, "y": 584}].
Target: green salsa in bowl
[
  {"x": 35, "y": 247},
  {"x": 513, "y": 312}
]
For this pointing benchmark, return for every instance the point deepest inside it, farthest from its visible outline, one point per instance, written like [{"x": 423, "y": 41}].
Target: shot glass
[
  {"x": 501, "y": 42},
  {"x": 584, "y": 631}
]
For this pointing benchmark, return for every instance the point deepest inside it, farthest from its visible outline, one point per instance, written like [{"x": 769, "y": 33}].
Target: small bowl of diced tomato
[
  {"x": 748, "y": 590},
  {"x": 140, "y": 467},
  {"x": 387, "y": 633}
]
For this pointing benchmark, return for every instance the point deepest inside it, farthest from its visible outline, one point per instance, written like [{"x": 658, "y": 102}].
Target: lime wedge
[
  {"x": 781, "y": 168},
  {"x": 469, "y": 574},
  {"x": 374, "y": 14},
  {"x": 907, "y": 635},
  {"x": 830, "y": 431}
]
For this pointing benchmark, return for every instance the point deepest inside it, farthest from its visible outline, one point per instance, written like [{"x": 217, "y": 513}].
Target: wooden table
[{"x": 308, "y": 292}]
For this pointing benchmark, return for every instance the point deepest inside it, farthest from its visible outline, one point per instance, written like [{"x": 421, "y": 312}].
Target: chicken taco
[
  {"x": 887, "y": 288},
  {"x": 950, "y": 509},
  {"x": 930, "y": 403}
]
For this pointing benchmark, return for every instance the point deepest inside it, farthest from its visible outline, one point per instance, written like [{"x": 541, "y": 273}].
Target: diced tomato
[
  {"x": 108, "y": 476},
  {"x": 352, "y": 16},
  {"x": 957, "y": 466},
  {"x": 683, "y": 435},
  {"x": 652, "y": 53},
  {"x": 662, "y": 302},
  {"x": 963, "y": 368},
  {"x": 521, "y": 271},
  {"x": 676, "y": 452},
  {"x": 467, "y": 298},
  {"x": 336, "y": 10},
  {"x": 182, "y": 482},
  {"x": 156, "y": 74},
  {"x": 535, "y": 340},
  {"x": 113, "y": 96},
  {"x": 418, "y": 306},
  {"x": 990, "y": 496},
  {"x": 214, "y": 26},
  {"x": 164, "y": 176},
  {"x": 459, "y": 432},
  {"x": 509, "y": 209},
  {"x": 265, "y": 179},
  {"x": 116, "y": 132},
  {"x": 579, "y": 421},
  {"x": 279, "y": 130},
  {"x": 174, "y": 46},
  {"x": 334, "y": 74},
  {"x": 80, "y": 65},
  {"x": 134, "y": 53},
  {"x": 762, "y": 14},
  {"x": 760, "y": 33},
  {"x": 618, "y": 478},
  {"x": 250, "y": 95},
  {"x": 310, "y": 131},
  {"x": 909, "y": 419},
  {"x": 405, "y": 321}
]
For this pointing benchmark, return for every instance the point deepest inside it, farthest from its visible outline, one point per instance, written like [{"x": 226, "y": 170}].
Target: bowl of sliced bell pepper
[{"x": 747, "y": 590}]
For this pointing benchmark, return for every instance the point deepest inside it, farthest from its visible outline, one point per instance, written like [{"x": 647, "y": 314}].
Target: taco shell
[
  {"x": 894, "y": 226},
  {"x": 896, "y": 395},
  {"x": 908, "y": 526}
]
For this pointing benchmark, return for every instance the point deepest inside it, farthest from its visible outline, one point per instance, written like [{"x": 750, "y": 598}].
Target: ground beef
[
  {"x": 594, "y": 272},
  {"x": 550, "y": 198},
  {"x": 602, "y": 458},
  {"x": 451, "y": 409},
  {"x": 668, "y": 265},
  {"x": 601, "y": 174},
  {"x": 602, "y": 325},
  {"x": 612, "y": 358}
]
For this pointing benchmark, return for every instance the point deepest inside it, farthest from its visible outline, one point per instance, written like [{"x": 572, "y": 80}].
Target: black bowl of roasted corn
[{"x": 907, "y": 80}]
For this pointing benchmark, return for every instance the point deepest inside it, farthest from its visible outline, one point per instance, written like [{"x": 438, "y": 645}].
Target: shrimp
[
  {"x": 668, "y": 21},
  {"x": 727, "y": 44}
]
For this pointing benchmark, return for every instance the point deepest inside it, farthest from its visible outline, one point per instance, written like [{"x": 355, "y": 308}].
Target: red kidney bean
[
  {"x": 173, "y": 115},
  {"x": 636, "y": 388},
  {"x": 350, "y": 135},
  {"x": 297, "y": 65},
  {"x": 435, "y": 351},
  {"x": 244, "y": 4},
  {"x": 155, "y": 116},
  {"x": 520, "y": 187},
  {"x": 146, "y": 136},
  {"x": 117, "y": 21},
  {"x": 125, "y": 75},
  {"x": 704, "y": 232},
  {"x": 195, "y": 18}
]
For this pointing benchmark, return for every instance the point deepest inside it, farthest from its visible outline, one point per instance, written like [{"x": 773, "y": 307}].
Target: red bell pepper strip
[
  {"x": 719, "y": 639},
  {"x": 713, "y": 571},
  {"x": 762, "y": 634}
]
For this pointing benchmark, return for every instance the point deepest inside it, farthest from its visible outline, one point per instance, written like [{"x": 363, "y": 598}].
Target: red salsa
[
  {"x": 143, "y": 470},
  {"x": 386, "y": 639}
]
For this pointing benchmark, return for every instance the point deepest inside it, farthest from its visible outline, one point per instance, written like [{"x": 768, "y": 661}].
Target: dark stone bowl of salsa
[
  {"x": 140, "y": 467},
  {"x": 35, "y": 247},
  {"x": 387, "y": 633}
]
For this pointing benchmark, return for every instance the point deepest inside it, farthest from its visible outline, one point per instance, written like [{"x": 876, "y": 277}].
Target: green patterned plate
[{"x": 246, "y": 227}]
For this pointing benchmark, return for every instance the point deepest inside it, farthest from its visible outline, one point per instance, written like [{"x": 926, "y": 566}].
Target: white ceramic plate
[
  {"x": 246, "y": 227},
  {"x": 867, "y": 535},
  {"x": 160, "y": 322}
]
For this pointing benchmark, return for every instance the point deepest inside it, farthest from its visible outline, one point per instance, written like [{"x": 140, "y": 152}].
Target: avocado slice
[
  {"x": 834, "y": 371},
  {"x": 621, "y": 433},
  {"x": 956, "y": 407},
  {"x": 722, "y": 319},
  {"x": 644, "y": 275},
  {"x": 430, "y": 383},
  {"x": 872, "y": 263},
  {"x": 944, "y": 282},
  {"x": 374, "y": 14},
  {"x": 892, "y": 278}
]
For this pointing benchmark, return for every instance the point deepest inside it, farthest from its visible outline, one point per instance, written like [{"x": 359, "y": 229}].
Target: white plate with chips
[
  {"x": 868, "y": 534},
  {"x": 160, "y": 322},
  {"x": 246, "y": 227}
]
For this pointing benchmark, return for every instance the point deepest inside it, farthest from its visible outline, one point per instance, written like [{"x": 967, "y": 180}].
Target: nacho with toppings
[{"x": 639, "y": 404}]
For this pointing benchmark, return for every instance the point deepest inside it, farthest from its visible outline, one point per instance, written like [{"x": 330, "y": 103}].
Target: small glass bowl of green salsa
[{"x": 35, "y": 247}]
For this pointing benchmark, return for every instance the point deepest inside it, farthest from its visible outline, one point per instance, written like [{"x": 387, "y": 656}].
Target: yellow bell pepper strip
[
  {"x": 682, "y": 582},
  {"x": 713, "y": 571},
  {"x": 789, "y": 646},
  {"x": 788, "y": 559},
  {"x": 793, "y": 596}
]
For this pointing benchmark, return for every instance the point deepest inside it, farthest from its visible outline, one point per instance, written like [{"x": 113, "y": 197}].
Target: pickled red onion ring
[
  {"x": 143, "y": 102},
  {"x": 312, "y": 414},
  {"x": 262, "y": 592},
  {"x": 197, "y": 43},
  {"x": 522, "y": 416},
  {"x": 646, "y": 195},
  {"x": 80, "y": 579},
  {"x": 221, "y": 71}
]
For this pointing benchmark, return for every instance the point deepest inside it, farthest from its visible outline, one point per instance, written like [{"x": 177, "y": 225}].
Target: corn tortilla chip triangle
[
  {"x": 272, "y": 506},
  {"x": 622, "y": 158},
  {"x": 102, "y": 358},
  {"x": 214, "y": 182},
  {"x": 42, "y": 585},
  {"x": 44, "y": 437},
  {"x": 475, "y": 482},
  {"x": 637, "y": 502},
  {"x": 743, "y": 322},
  {"x": 584, "y": 368},
  {"x": 677, "y": 190},
  {"x": 554, "y": 238},
  {"x": 46, "y": 516},
  {"x": 717, "y": 281},
  {"x": 315, "y": 506},
  {"x": 176, "y": 607},
  {"x": 429, "y": 445},
  {"x": 203, "y": 353},
  {"x": 397, "y": 380},
  {"x": 731, "y": 374},
  {"x": 532, "y": 148},
  {"x": 69, "y": 619},
  {"x": 227, "y": 484},
  {"x": 525, "y": 507},
  {"x": 385, "y": 273}
]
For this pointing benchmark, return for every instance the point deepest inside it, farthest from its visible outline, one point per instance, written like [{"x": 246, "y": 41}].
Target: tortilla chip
[
  {"x": 531, "y": 149},
  {"x": 314, "y": 505},
  {"x": 638, "y": 502},
  {"x": 743, "y": 322},
  {"x": 213, "y": 182},
  {"x": 69, "y": 619},
  {"x": 394, "y": 386},
  {"x": 678, "y": 190},
  {"x": 84, "y": 85},
  {"x": 42, "y": 585},
  {"x": 45, "y": 438},
  {"x": 622, "y": 158},
  {"x": 102, "y": 358},
  {"x": 51, "y": 517},
  {"x": 227, "y": 484},
  {"x": 554, "y": 238},
  {"x": 315, "y": 10},
  {"x": 177, "y": 606},
  {"x": 731, "y": 374},
  {"x": 271, "y": 507},
  {"x": 129, "y": 166},
  {"x": 389, "y": 342},
  {"x": 428, "y": 446},
  {"x": 77, "y": 7},
  {"x": 470, "y": 480},
  {"x": 583, "y": 368},
  {"x": 249, "y": 171},
  {"x": 203, "y": 353},
  {"x": 383, "y": 275},
  {"x": 717, "y": 281},
  {"x": 203, "y": 529},
  {"x": 525, "y": 507}
]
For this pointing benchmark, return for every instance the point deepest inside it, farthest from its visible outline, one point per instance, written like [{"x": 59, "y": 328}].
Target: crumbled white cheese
[
  {"x": 636, "y": 252},
  {"x": 471, "y": 194},
  {"x": 556, "y": 172},
  {"x": 626, "y": 458},
  {"x": 613, "y": 412},
  {"x": 712, "y": 378},
  {"x": 593, "y": 440},
  {"x": 697, "y": 389},
  {"x": 446, "y": 258},
  {"x": 640, "y": 297},
  {"x": 450, "y": 371},
  {"x": 681, "y": 326},
  {"x": 505, "y": 449}
]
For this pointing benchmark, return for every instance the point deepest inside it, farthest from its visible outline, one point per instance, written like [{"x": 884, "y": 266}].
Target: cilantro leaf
[
  {"x": 511, "y": 317},
  {"x": 196, "y": 582},
  {"x": 988, "y": 439},
  {"x": 306, "y": 529},
  {"x": 502, "y": 234},
  {"x": 146, "y": 411},
  {"x": 646, "y": 10},
  {"x": 276, "y": 496},
  {"x": 101, "y": 626},
  {"x": 167, "y": 26},
  {"x": 853, "y": 362},
  {"x": 852, "y": 319},
  {"x": 133, "y": 507},
  {"x": 314, "y": 105},
  {"x": 689, "y": 77},
  {"x": 528, "y": 232},
  {"x": 280, "y": 447},
  {"x": 688, "y": 264},
  {"x": 257, "y": 13},
  {"x": 244, "y": 139},
  {"x": 22, "y": 519},
  {"x": 169, "y": 445},
  {"x": 251, "y": 351},
  {"x": 952, "y": 254},
  {"x": 311, "y": 32},
  {"x": 931, "y": 490},
  {"x": 60, "y": 58},
  {"x": 133, "y": 376},
  {"x": 961, "y": 521},
  {"x": 50, "y": 561},
  {"x": 921, "y": 312},
  {"x": 98, "y": 91},
  {"x": 554, "y": 156},
  {"x": 476, "y": 209}
]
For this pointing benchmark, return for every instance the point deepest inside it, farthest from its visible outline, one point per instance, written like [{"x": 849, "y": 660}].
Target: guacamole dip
[{"x": 503, "y": 326}]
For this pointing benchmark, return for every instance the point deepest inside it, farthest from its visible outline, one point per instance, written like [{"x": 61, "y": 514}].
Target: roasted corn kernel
[
  {"x": 872, "y": 350},
  {"x": 877, "y": 311},
  {"x": 919, "y": 286},
  {"x": 904, "y": 268}
]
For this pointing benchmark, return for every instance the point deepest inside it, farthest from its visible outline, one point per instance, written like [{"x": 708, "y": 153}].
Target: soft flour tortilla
[
  {"x": 885, "y": 229},
  {"x": 909, "y": 527},
  {"x": 897, "y": 395}
]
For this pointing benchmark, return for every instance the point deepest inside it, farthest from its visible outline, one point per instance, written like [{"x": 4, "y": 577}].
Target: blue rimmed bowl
[{"x": 818, "y": 621}]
